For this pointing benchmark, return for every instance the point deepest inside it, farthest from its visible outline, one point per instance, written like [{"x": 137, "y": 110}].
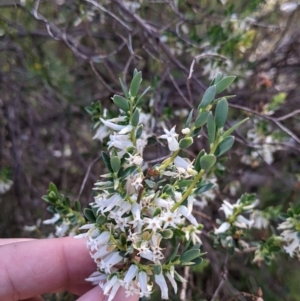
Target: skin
[{"x": 29, "y": 268}]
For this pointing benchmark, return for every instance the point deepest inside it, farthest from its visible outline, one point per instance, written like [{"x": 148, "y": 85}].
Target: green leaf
[
  {"x": 197, "y": 161},
  {"x": 135, "y": 84},
  {"x": 123, "y": 239},
  {"x": 197, "y": 261},
  {"x": 48, "y": 200},
  {"x": 88, "y": 213},
  {"x": 224, "y": 83},
  {"x": 167, "y": 234},
  {"x": 185, "y": 142},
  {"x": 124, "y": 89},
  {"x": 157, "y": 269},
  {"x": 211, "y": 128},
  {"x": 224, "y": 146},
  {"x": 127, "y": 172},
  {"x": 203, "y": 188},
  {"x": 135, "y": 118},
  {"x": 195, "y": 132},
  {"x": 139, "y": 131},
  {"x": 208, "y": 97},
  {"x": 101, "y": 220},
  {"x": 115, "y": 163},
  {"x": 221, "y": 113},
  {"x": 229, "y": 131},
  {"x": 201, "y": 119},
  {"x": 140, "y": 98},
  {"x": 52, "y": 195},
  {"x": 189, "y": 118},
  {"x": 173, "y": 254},
  {"x": 157, "y": 211},
  {"x": 189, "y": 255},
  {"x": 106, "y": 160},
  {"x": 218, "y": 77},
  {"x": 121, "y": 102},
  {"x": 178, "y": 277},
  {"x": 150, "y": 183},
  {"x": 184, "y": 183},
  {"x": 77, "y": 206},
  {"x": 207, "y": 161},
  {"x": 52, "y": 187}
]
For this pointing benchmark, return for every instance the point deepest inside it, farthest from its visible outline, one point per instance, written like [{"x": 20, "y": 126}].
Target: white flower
[
  {"x": 111, "y": 287},
  {"x": 143, "y": 280},
  {"x": 171, "y": 137},
  {"x": 109, "y": 261},
  {"x": 288, "y": 7},
  {"x": 170, "y": 219},
  {"x": 182, "y": 163},
  {"x": 131, "y": 274},
  {"x": 242, "y": 222},
  {"x": 173, "y": 282},
  {"x": 102, "y": 132},
  {"x": 119, "y": 141},
  {"x": 223, "y": 228},
  {"x": 135, "y": 159},
  {"x": 185, "y": 212},
  {"x": 154, "y": 223},
  {"x": 161, "y": 281},
  {"x": 96, "y": 278},
  {"x": 292, "y": 240},
  {"x": 52, "y": 220},
  {"x": 111, "y": 125}
]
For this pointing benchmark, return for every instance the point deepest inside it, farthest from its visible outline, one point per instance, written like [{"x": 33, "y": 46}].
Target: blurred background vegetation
[{"x": 57, "y": 57}]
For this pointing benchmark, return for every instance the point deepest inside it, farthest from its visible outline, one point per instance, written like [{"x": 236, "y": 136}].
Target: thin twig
[
  {"x": 87, "y": 175},
  {"x": 224, "y": 278}
]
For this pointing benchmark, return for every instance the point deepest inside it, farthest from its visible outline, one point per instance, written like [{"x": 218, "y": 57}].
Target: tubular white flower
[
  {"x": 173, "y": 282},
  {"x": 52, "y": 220},
  {"x": 242, "y": 222},
  {"x": 161, "y": 281},
  {"x": 142, "y": 277},
  {"x": 223, "y": 228},
  {"x": 227, "y": 208},
  {"x": 182, "y": 163},
  {"x": 96, "y": 278},
  {"x": 185, "y": 212},
  {"x": 111, "y": 125},
  {"x": 109, "y": 284},
  {"x": 102, "y": 132},
  {"x": 171, "y": 137},
  {"x": 131, "y": 273}
]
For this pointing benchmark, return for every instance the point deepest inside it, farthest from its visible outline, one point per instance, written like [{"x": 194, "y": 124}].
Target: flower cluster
[
  {"x": 136, "y": 210},
  {"x": 291, "y": 231}
]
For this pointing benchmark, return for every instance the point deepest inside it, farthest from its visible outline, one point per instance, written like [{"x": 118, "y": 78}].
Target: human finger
[
  {"x": 96, "y": 294},
  {"x": 34, "y": 267},
  {"x": 6, "y": 241}
]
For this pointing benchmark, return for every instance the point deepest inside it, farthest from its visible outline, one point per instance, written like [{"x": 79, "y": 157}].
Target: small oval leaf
[
  {"x": 201, "y": 119},
  {"x": 135, "y": 84},
  {"x": 188, "y": 256},
  {"x": 211, "y": 128},
  {"x": 207, "y": 161},
  {"x": 224, "y": 83},
  {"x": 121, "y": 102},
  {"x": 197, "y": 161},
  {"x": 221, "y": 113},
  {"x": 135, "y": 118},
  {"x": 224, "y": 146},
  {"x": 208, "y": 97},
  {"x": 115, "y": 163},
  {"x": 185, "y": 142}
]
